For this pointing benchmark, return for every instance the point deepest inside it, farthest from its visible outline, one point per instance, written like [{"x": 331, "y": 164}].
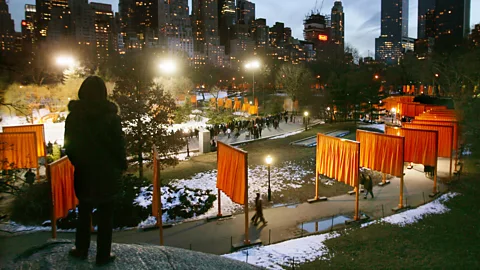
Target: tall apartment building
[
  {"x": 245, "y": 12},
  {"x": 317, "y": 31},
  {"x": 227, "y": 18},
  {"x": 139, "y": 23},
  {"x": 338, "y": 25},
  {"x": 426, "y": 28},
  {"x": 105, "y": 37},
  {"x": 83, "y": 22},
  {"x": 206, "y": 34},
  {"x": 175, "y": 27},
  {"x": 452, "y": 24},
  {"x": 53, "y": 20},
  {"x": 260, "y": 34},
  {"x": 394, "y": 28},
  {"x": 28, "y": 28},
  {"x": 7, "y": 29}
]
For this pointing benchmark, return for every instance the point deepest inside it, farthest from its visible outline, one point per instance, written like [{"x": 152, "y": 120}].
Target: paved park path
[
  {"x": 283, "y": 128},
  {"x": 283, "y": 222}
]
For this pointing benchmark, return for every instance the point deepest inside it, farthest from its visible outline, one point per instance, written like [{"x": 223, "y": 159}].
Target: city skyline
[{"x": 362, "y": 17}]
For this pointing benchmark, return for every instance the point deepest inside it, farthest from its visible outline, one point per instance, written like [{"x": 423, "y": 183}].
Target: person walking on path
[
  {"x": 95, "y": 144},
  {"x": 228, "y": 132},
  {"x": 259, "y": 211},
  {"x": 256, "y": 202},
  {"x": 368, "y": 186}
]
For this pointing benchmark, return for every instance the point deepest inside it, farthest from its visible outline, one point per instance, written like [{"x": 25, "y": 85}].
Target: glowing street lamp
[
  {"x": 186, "y": 133},
  {"x": 394, "y": 111},
  {"x": 376, "y": 77},
  {"x": 65, "y": 61},
  {"x": 253, "y": 65},
  {"x": 269, "y": 160},
  {"x": 168, "y": 67},
  {"x": 306, "y": 120}
]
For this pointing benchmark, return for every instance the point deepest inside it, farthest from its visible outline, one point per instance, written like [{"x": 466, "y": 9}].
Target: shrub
[{"x": 33, "y": 205}]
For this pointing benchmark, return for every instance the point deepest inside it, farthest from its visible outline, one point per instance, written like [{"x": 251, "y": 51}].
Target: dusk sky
[{"x": 362, "y": 17}]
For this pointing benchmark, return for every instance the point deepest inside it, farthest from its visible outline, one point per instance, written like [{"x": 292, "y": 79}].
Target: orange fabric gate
[
  {"x": 381, "y": 152},
  {"x": 338, "y": 159},
  {"x": 19, "y": 148},
  {"x": 39, "y": 133},
  {"x": 61, "y": 176}
]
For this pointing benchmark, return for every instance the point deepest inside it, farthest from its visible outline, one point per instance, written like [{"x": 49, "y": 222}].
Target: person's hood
[{"x": 103, "y": 107}]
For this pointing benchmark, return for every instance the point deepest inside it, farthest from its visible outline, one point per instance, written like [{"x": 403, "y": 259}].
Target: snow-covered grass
[
  {"x": 281, "y": 255},
  {"x": 414, "y": 215},
  {"x": 283, "y": 176},
  {"x": 310, "y": 248}
]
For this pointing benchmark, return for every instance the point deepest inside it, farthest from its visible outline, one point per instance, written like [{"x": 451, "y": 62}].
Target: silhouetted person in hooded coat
[{"x": 94, "y": 143}]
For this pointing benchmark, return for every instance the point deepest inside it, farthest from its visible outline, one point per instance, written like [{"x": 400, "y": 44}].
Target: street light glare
[
  {"x": 394, "y": 110},
  {"x": 65, "y": 61},
  {"x": 168, "y": 66},
  {"x": 328, "y": 108},
  {"x": 269, "y": 160},
  {"x": 305, "y": 113},
  {"x": 252, "y": 65}
]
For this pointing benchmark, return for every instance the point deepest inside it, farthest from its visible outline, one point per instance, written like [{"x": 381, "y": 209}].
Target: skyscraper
[
  {"x": 245, "y": 12},
  {"x": 452, "y": 24},
  {"x": 28, "y": 28},
  {"x": 83, "y": 24},
  {"x": 7, "y": 29},
  {"x": 205, "y": 24},
  {"x": 424, "y": 8},
  {"x": 338, "y": 25},
  {"x": 394, "y": 28},
  {"x": 139, "y": 22},
  {"x": 105, "y": 39},
  {"x": 227, "y": 18},
  {"x": 53, "y": 20},
  {"x": 260, "y": 35},
  {"x": 175, "y": 26}
]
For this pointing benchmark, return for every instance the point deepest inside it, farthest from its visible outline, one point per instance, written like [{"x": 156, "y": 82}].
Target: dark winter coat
[
  {"x": 94, "y": 143},
  {"x": 368, "y": 183}
]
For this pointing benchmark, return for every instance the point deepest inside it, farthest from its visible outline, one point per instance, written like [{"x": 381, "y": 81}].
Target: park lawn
[
  {"x": 446, "y": 241},
  {"x": 281, "y": 151}
]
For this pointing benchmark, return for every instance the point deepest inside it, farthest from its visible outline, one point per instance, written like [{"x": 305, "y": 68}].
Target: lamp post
[
  {"x": 328, "y": 113},
  {"x": 393, "y": 113},
  {"x": 186, "y": 133},
  {"x": 253, "y": 65},
  {"x": 268, "y": 160},
  {"x": 306, "y": 120}
]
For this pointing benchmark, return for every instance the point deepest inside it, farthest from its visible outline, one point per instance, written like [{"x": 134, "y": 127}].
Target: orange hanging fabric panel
[
  {"x": 220, "y": 102},
  {"x": 193, "y": 99},
  {"x": 442, "y": 123},
  {"x": 228, "y": 104},
  {"x": 39, "y": 133},
  {"x": 245, "y": 100},
  {"x": 380, "y": 152},
  {"x": 231, "y": 176},
  {"x": 19, "y": 148},
  {"x": 256, "y": 102},
  {"x": 63, "y": 192},
  {"x": 445, "y": 137},
  {"x": 338, "y": 159},
  {"x": 420, "y": 145}
]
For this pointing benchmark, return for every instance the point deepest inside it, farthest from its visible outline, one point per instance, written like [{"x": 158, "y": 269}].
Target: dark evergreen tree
[{"x": 146, "y": 111}]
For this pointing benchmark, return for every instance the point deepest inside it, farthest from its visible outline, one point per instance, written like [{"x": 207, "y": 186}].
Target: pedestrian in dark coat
[
  {"x": 259, "y": 211},
  {"x": 368, "y": 186},
  {"x": 94, "y": 143}
]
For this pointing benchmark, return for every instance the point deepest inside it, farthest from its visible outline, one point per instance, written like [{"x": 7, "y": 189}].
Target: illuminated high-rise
[
  {"x": 245, "y": 12},
  {"x": 105, "y": 38},
  {"x": 28, "y": 28},
  {"x": 338, "y": 25},
  {"x": 7, "y": 30},
  {"x": 452, "y": 24},
  {"x": 53, "y": 20},
  {"x": 394, "y": 28}
]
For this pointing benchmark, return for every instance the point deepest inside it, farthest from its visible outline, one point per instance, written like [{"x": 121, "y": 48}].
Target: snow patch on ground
[
  {"x": 281, "y": 255},
  {"x": 411, "y": 216},
  {"x": 284, "y": 176},
  {"x": 287, "y": 135}
]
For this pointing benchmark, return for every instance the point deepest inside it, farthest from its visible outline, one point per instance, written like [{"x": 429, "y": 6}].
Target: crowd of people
[{"x": 253, "y": 128}]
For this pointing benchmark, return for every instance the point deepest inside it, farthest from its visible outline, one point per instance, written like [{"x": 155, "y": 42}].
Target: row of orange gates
[
  {"x": 237, "y": 105},
  {"x": 432, "y": 134}
]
